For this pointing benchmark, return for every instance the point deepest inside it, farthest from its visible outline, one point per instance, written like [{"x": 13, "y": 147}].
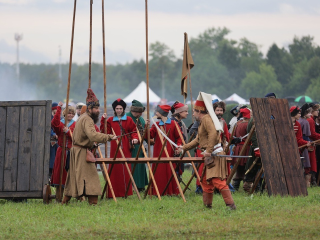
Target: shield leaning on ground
[{"x": 278, "y": 147}]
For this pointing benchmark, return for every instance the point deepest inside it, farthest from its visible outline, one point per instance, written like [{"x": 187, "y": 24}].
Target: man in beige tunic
[
  {"x": 208, "y": 139},
  {"x": 82, "y": 178}
]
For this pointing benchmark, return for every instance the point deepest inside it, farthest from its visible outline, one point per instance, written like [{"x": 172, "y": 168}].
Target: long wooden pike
[
  {"x": 242, "y": 152},
  {"x": 147, "y": 74},
  {"x": 90, "y": 44},
  {"x": 128, "y": 169},
  {"x": 104, "y": 78},
  {"x": 59, "y": 192}
]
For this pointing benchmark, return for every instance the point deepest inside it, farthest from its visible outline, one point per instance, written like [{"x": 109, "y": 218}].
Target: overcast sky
[{"x": 46, "y": 25}]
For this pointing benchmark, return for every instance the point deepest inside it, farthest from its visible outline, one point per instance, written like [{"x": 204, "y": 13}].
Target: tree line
[{"x": 222, "y": 66}]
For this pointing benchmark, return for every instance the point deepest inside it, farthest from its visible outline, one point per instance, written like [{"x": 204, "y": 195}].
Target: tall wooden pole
[
  {"x": 147, "y": 77},
  {"x": 59, "y": 198},
  {"x": 90, "y": 44},
  {"x": 104, "y": 78}
]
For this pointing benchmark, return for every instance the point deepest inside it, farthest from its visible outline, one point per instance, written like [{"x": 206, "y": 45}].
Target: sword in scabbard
[{"x": 252, "y": 165}]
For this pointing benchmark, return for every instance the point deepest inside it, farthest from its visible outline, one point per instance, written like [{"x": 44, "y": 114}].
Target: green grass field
[{"x": 256, "y": 217}]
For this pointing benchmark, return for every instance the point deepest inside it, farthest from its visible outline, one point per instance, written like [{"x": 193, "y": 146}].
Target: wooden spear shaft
[
  {"x": 59, "y": 198},
  {"x": 147, "y": 75},
  {"x": 104, "y": 78},
  {"x": 90, "y": 44}
]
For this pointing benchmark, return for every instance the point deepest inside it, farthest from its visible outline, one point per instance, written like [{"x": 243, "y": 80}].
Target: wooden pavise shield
[{"x": 187, "y": 64}]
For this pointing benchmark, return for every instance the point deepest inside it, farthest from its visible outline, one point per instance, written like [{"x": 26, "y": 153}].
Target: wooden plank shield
[
  {"x": 278, "y": 147},
  {"x": 24, "y": 148}
]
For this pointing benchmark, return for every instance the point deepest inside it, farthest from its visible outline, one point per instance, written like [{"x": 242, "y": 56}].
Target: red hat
[
  {"x": 163, "y": 110},
  {"x": 92, "y": 100},
  {"x": 246, "y": 113},
  {"x": 120, "y": 102},
  {"x": 199, "y": 105},
  {"x": 178, "y": 107},
  {"x": 294, "y": 110}
]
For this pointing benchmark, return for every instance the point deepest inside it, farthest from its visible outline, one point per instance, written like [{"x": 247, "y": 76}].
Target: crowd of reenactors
[{"x": 209, "y": 136}]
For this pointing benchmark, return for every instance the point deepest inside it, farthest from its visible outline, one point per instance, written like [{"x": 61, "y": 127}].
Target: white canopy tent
[
  {"x": 140, "y": 94},
  {"x": 214, "y": 96},
  {"x": 236, "y": 98}
]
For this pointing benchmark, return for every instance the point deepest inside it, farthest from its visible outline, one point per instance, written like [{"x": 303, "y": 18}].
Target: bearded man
[
  {"x": 82, "y": 178},
  {"x": 208, "y": 138}
]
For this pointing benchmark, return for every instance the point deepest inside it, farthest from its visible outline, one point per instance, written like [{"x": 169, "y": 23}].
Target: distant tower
[
  {"x": 18, "y": 38},
  {"x": 60, "y": 72}
]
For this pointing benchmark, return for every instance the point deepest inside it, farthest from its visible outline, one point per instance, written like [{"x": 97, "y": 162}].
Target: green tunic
[{"x": 140, "y": 173}]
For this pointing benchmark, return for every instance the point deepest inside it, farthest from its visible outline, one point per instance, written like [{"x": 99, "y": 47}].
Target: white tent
[
  {"x": 140, "y": 94},
  {"x": 214, "y": 96},
  {"x": 236, "y": 98}
]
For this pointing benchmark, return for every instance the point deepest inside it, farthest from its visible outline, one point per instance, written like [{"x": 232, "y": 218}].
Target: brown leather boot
[
  {"x": 205, "y": 198},
  {"x": 93, "y": 199},
  {"x": 308, "y": 179},
  {"x": 209, "y": 200},
  {"x": 247, "y": 186},
  {"x": 227, "y": 197},
  {"x": 65, "y": 200}
]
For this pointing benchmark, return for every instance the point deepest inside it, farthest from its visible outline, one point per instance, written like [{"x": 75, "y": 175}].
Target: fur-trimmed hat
[
  {"x": 92, "y": 100},
  {"x": 120, "y": 102},
  {"x": 163, "y": 110},
  {"x": 220, "y": 104},
  {"x": 71, "y": 109},
  {"x": 137, "y": 107},
  {"x": 294, "y": 110},
  {"x": 178, "y": 107}
]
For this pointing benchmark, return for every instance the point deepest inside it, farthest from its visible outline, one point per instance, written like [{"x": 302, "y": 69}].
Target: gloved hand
[
  {"x": 256, "y": 152},
  {"x": 236, "y": 140}
]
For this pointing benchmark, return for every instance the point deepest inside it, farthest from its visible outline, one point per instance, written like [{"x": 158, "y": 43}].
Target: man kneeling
[
  {"x": 209, "y": 140},
  {"x": 82, "y": 178}
]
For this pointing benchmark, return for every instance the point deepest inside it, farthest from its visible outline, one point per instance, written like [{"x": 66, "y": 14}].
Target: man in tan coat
[
  {"x": 208, "y": 139},
  {"x": 83, "y": 179}
]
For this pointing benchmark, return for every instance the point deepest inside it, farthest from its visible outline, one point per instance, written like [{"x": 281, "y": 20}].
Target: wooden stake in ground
[{"x": 59, "y": 190}]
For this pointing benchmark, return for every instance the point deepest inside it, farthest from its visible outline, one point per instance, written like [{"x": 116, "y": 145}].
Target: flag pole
[
  {"x": 147, "y": 74},
  {"x": 104, "y": 79},
  {"x": 59, "y": 192}
]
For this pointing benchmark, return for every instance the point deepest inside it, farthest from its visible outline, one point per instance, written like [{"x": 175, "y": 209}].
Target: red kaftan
[
  {"x": 164, "y": 172},
  {"x": 298, "y": 132},
  {"x": 314, "y": 136},
  {"x": 58, "y": 126},
  {"x": 120, "y": 176}
]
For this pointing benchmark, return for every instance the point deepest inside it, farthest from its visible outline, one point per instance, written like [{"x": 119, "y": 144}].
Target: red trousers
[{"x": 213, "y": 183}]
